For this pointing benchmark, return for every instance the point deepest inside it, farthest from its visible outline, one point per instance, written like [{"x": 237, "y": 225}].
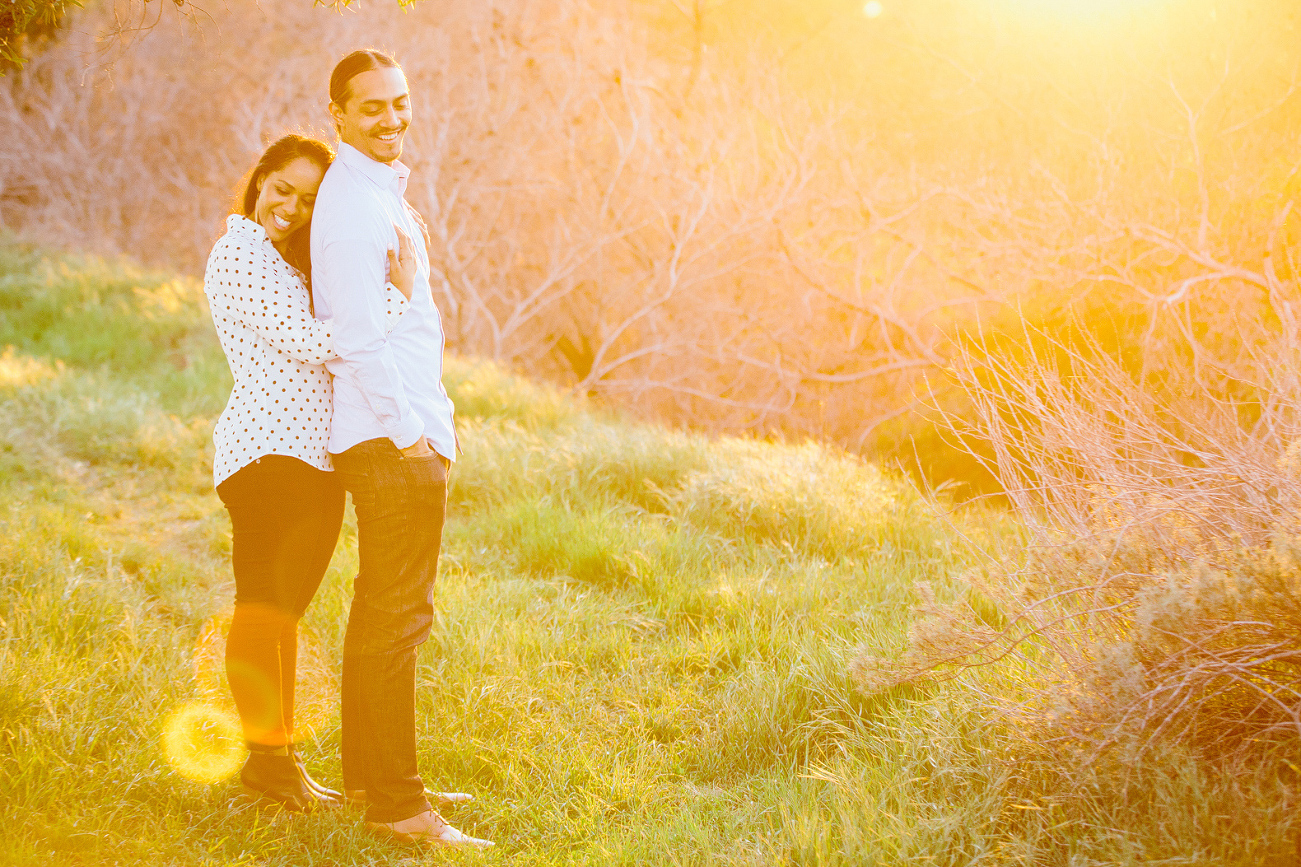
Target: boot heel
[{"x": 271, "y": 780}]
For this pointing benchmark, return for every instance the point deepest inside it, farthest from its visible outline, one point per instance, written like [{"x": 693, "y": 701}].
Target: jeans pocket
[
  {"x": 422, "y": 461},
  {"x": 426, "y": 477}
]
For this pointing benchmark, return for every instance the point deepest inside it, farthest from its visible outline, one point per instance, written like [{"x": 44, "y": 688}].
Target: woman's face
[{"x": 285, "y": 199}]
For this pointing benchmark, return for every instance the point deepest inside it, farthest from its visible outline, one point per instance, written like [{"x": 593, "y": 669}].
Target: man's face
[{"x": 375, "y": 118}]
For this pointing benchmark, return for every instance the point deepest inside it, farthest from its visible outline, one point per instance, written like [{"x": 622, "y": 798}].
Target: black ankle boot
[
  {"x": 271, "y": 775},
  {"x": 328, "y": 796}
]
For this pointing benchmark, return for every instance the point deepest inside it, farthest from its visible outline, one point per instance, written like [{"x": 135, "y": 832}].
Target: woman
[{"x": 271, "y": 469}]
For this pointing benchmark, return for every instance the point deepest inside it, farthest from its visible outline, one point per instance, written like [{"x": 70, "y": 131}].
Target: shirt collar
[
  {"x": 255, "y": 233},
  {"x": 238, "y": 224},
  {"x": 387, "y": 177}
]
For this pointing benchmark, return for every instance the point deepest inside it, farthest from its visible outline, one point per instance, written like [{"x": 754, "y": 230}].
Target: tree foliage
[{"x": 25, "y": 21}]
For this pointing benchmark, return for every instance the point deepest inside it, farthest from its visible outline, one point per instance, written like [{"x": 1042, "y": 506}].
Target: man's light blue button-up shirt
[{"x": 385, "y": 385}]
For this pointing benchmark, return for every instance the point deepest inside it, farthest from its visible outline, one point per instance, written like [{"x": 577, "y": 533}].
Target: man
[{"x": 392, "y": 441}]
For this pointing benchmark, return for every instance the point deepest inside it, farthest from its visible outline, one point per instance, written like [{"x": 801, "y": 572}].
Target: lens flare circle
[
  {"x": 873, "y": 9},
  {"x": 202, "y": 742}
]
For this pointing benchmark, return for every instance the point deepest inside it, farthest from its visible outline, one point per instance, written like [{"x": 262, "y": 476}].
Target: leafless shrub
[
  {"x": 1160, "y": 598},
  {"x": 1142, "y": 421}
]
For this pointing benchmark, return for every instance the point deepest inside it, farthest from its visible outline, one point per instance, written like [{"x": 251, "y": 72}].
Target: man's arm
[{"x": 349, "y": 273}]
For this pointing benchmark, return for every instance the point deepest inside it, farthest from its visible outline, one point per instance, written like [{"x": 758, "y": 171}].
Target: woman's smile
[{"x": 285, "y": 199}]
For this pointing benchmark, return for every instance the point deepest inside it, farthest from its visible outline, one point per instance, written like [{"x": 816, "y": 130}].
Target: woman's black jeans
[
  {"x": 285, "y": 516},
  {"x": 400, "y": 503}
]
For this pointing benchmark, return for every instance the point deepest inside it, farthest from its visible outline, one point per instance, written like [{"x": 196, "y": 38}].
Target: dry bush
[
  {"x": 1157, "y": 468},
  {"x": 1143, "y": 423}
]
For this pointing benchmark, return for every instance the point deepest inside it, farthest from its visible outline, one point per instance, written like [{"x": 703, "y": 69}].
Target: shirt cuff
[
  {"x": 395, "y": 304},
  {"x": 408, "y": 431}
]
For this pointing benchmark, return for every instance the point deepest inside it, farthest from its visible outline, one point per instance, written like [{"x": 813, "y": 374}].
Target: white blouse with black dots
[{"x": 280, "y": 404}]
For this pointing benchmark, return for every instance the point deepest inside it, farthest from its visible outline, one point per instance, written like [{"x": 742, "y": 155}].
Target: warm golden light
[
  {"x": 203, "y": 743},
  {"x": 873, "y": 9},
  {"x": 1081, "y": 10},
  {"x": 22, "y": 370}
]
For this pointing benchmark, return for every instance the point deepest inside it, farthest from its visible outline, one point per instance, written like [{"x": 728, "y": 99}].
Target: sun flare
[{"x": 202, "y": 742}]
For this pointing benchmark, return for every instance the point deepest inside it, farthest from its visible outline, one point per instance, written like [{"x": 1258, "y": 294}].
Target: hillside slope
[{"x": 641, "y": 651}]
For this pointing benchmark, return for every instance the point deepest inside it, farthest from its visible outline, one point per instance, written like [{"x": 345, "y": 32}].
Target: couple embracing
[{"x": 323, "y": 306}]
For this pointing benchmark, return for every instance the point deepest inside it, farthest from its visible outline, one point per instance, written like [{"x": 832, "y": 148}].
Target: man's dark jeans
[{"x": 400, "y": 503}]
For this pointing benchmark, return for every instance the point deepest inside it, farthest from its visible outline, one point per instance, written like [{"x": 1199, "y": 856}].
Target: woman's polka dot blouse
[{"x": 280, "y": 404}]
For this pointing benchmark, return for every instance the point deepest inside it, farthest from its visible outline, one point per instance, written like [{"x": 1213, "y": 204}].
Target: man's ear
[{"x": 336, "y": 114}]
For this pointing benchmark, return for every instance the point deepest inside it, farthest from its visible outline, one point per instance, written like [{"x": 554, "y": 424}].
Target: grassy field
[{"x": 641, "y": 653}]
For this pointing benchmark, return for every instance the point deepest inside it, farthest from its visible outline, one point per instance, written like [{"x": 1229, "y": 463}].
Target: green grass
[{"x": 640, "y": 655}]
